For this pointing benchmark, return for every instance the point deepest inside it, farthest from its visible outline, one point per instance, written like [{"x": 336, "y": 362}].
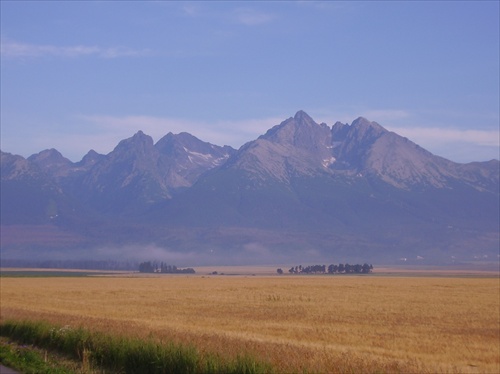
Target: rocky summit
[{"x": 345, "y": 192}]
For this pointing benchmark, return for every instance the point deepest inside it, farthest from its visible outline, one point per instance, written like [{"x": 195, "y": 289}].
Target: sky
[{"x": 84, "y": 75}]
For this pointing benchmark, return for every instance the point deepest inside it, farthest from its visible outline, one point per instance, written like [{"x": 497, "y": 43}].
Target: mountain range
[{"x": 301, "y": 191}]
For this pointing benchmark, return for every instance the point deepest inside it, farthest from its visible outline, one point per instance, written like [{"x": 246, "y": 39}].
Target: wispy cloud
[
  {"x": 192, "y": 9},
  {"x": 14, "y": 49},
  {"x": 328, "y": 5},
  {"x": 251, "y": 17},
  {"x": 234, "y": 133},
  {"x": 242, "y": 15},
  {"x": 103, "y": 132},
  {"x": 434, "y": 135},
  {"x": 349, "y": 114},
  {"x": 405, "y": 123},
  {"x": 112, "y": 129},
  {"x": 382, "y": 115},
  {"x": 455, "y": 144}
]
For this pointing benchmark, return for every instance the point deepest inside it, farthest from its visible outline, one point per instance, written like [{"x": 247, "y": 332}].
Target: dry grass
[{"x": 318, "y": 323}]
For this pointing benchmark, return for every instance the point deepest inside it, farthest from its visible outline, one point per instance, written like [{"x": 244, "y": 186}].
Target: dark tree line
[
  {"x": 331, "y": 269},
  {"x": 70, "y": 264},
  {"x": 161, "y": 267}
]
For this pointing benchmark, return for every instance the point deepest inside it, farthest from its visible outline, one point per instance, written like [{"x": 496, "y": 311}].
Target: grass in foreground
[
  {"x": 29, "y": 359},
  {"x": 114, "y": 353},
  {"x": 317, "y": 324}
]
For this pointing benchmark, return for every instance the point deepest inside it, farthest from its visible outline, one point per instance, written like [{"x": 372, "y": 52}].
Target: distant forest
[
  {"x": 331, "y": 269},
  {"x": 144, "y": 267},
  {"x": 161, "y": 267},
  {"x": 70, "y": 264}
]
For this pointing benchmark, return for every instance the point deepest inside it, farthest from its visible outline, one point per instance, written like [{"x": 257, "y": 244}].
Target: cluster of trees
[
  {"x": 161, "y": 267},
  {"x": 331, "y": 269}
]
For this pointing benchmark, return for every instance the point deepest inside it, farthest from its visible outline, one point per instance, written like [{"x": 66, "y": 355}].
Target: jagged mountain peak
[
  {"x": 49, "y": 156},
  {"x": 351, "y": 144},
  {"x": 184, "y": 143},
  {"x": 362, "y": 126},
  {"x": 181, "y": 135},
  {"x": 52, "y": 152},
  {"x": 359, "y": 127},
  {"x": 185, "y": 157},
  {"x": 92, "y": 155},
  {"x": 90, "y": 159},
  {"x": 139, "y": 142},
  {"x": 300, "y": 131},
  {"x": 302, "y": 117},
  {"x": 172, "y": 143},
  {"x": 52, "y": 161},
  {"x": 15, "y": 166},
  {"x": 362, "y": 121},
  {"x": 186, "y": 136},
  {"x": 140, "y": 136},
  {"x": 297, "y": 146},
  {"x": 302, "y": 184}
]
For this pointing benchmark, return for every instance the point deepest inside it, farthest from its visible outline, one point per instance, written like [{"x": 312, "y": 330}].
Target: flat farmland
[{"x": 338, "y": 323}]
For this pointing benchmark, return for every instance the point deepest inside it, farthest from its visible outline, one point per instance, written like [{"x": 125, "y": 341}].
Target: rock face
[
  {"x": 28, "y": 194},
  {"x": 185, "y": 157},
  {"x": 348, "y": 190},
  {"x": 296, "y": 146},
  {"x": 52, "y": 162}
]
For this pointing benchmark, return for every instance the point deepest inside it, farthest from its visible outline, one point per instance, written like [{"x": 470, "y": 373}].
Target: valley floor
[{"x": 339, "y": 323}]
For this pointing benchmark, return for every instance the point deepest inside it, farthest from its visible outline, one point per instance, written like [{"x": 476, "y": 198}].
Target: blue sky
[{"x": 83, "y": 75}]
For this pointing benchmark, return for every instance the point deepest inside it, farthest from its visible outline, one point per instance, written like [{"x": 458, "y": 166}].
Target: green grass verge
[
  {"x": 126, "y": 355},
  {"x": 27, "y": 360}
]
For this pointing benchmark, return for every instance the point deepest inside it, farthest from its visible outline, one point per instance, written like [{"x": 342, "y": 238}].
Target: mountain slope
[
  {"x": 353, "y": 190},
  {"x": 366, "y": 147},
  {"x": 138, "y": 173},
  {"x": 359, "y": 182},
  {"x": 29, "y": 195},
  {"x": 184, "y": 158},
  {"x": 297, "y": 146},
  {"x": 126, "y": 179}
]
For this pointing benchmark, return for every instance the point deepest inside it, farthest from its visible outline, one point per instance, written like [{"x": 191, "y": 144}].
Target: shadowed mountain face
[{"x": 347, "y": 191}]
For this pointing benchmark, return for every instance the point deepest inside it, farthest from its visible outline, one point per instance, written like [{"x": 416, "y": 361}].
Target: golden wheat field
[{"x": 316, "y": 323}]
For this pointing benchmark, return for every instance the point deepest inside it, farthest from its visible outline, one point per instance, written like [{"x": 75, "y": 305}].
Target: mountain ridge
[{"x": 356, "y": 188}]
